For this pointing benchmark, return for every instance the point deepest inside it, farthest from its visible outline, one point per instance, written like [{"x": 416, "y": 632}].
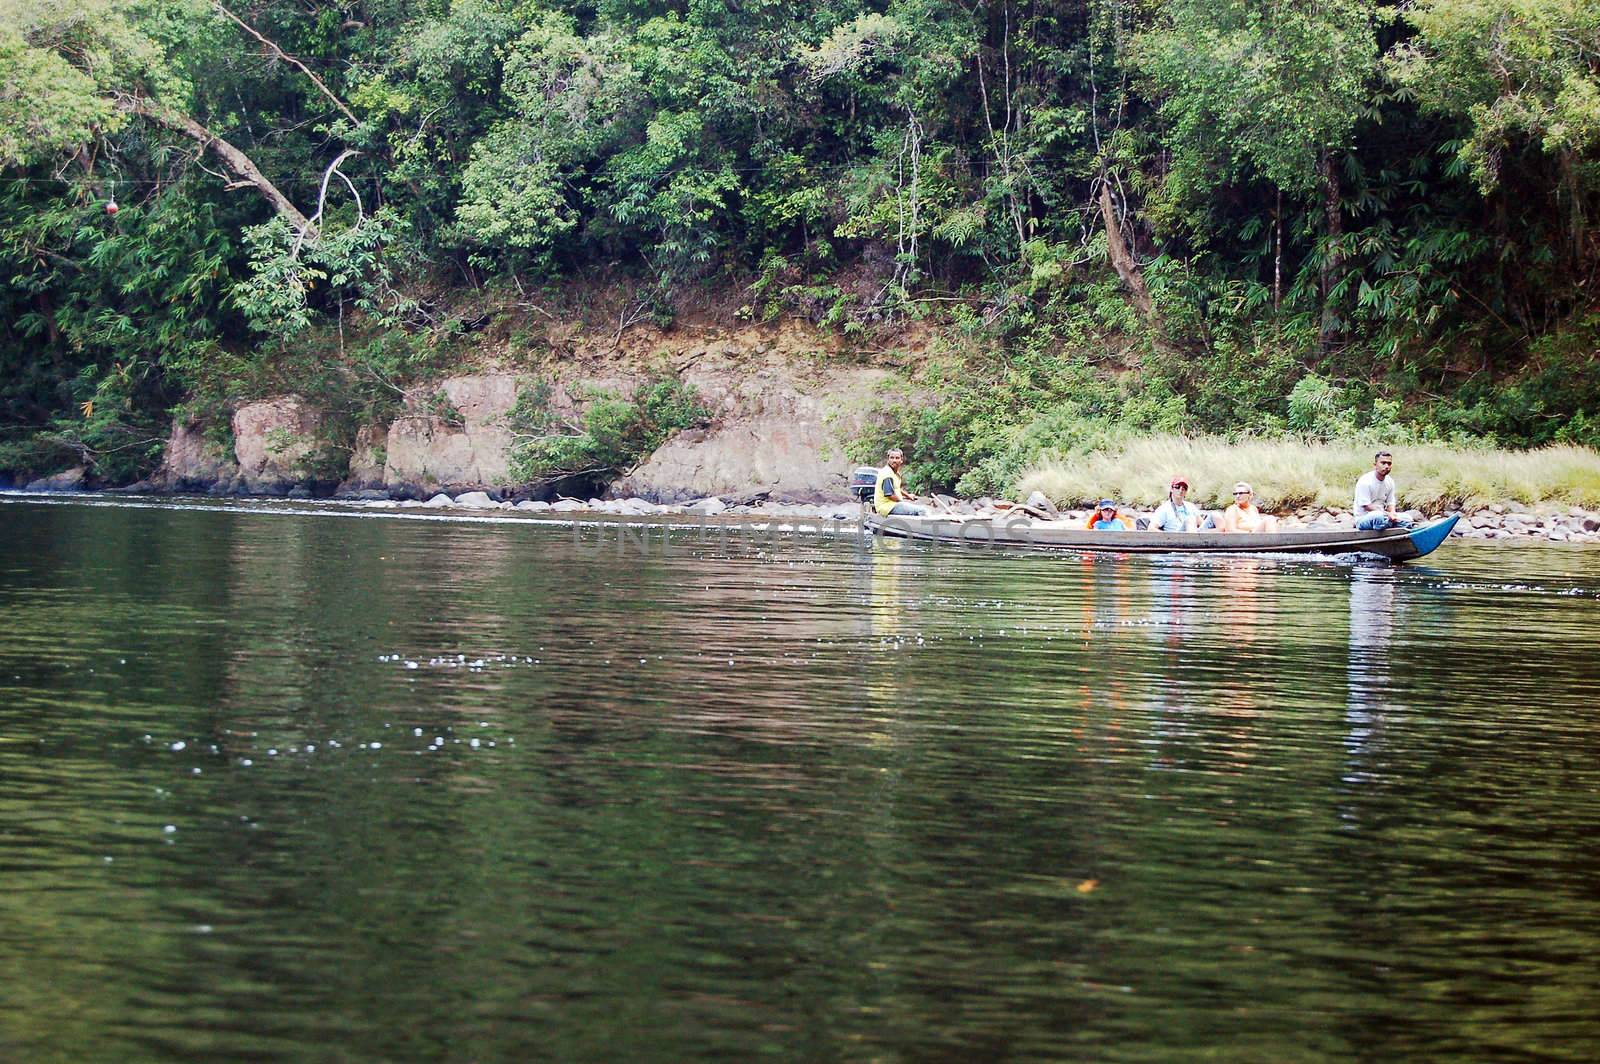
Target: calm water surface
[{"x": 280, "y": 786}]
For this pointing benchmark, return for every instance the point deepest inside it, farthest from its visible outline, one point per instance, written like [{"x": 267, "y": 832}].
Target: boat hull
[{"x": 1395, "y": 544}]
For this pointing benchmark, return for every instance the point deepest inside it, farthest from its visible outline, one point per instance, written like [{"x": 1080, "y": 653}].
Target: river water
[{"x": 279, "y": 784}]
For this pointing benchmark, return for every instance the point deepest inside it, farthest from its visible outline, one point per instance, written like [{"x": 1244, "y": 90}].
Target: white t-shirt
[
  {"x": 1374, "y": 495},
  {"x": 1171, "y": 518}
]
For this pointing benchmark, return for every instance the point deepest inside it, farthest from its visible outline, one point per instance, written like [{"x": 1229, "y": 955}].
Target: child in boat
[{"x": 1106, "y": 519}]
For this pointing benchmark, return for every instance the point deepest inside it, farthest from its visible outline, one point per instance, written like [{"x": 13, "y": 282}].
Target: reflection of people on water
[{"x": 1368, "y": 678}]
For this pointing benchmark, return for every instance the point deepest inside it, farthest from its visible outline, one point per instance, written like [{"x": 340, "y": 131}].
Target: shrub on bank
[{"x": 1287, "y": 473}]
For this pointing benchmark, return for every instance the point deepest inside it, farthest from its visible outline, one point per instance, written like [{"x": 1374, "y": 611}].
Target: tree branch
[
  {"x": 235, "y": 160},
  {"x": 310, "y": 227},
  {"x": 292, "y": 61},
  {"x": 1122, "y": 259}
]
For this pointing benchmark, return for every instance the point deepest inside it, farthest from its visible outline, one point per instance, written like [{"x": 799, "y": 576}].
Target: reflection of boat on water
[{"x": 1396, "y": 544}]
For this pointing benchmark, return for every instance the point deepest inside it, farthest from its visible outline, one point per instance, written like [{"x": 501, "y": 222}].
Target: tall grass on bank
[{"x": 1287, "y": 473}]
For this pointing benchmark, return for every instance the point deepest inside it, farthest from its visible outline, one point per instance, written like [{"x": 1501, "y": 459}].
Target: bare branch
[
  {"x": 291, "y": 60},
  {"x": 310, "y": 228}
]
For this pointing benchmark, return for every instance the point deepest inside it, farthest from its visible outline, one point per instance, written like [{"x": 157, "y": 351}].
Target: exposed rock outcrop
[
  {"x": 67, "y": 480},
  {"x": 192, "y": 462},
  {"x": 453, "y": 435},
  {"x": 773, "y": 429},
  {"x": 782, "y": 401},
  {"x": 274, "y": 442},
  {"x": 367, "y": 460}
]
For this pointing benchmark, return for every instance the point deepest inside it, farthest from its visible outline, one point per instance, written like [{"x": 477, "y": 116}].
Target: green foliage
[
  {"x": 1417, "y": 226},
  {"x": 1258, "y": 88},
  {"x": 1519, "y": 73},
  {"x": 615, "y": 435},
  {"x": 285, "y": 268}
]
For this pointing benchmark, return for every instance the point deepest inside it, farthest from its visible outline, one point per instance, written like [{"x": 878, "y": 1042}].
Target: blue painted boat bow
[{"x": 1427, "y": 538}]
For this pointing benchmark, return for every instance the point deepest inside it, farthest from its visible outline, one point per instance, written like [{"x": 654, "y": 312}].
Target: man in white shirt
[{"x": 1375, "y": 497}]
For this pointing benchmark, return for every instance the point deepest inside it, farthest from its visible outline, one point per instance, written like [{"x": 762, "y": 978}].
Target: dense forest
[{"x": 1308, "y": 216}]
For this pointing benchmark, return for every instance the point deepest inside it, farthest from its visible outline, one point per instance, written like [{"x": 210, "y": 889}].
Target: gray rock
[
  {"x": 476, "y": 500},
  {"x": 1496, "y": 508},
  {"x": 440, "y": 499},
  {"x": 567, "y": 506},
  {"x": 706, "y": 507},
  {"x": 273, "y": 439},
  {"x": 1039, "y": 501},
  {"x": 423, "y": 448},
  {"x": 68, "y": 480},
  {"x": 364, "y": 495},
  {"x": 192, "y": 462},
  {"x": 1559, "y": 535},
  {"x": 534, "y": 505}
]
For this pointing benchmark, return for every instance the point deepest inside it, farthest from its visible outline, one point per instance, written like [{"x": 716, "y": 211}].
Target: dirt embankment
[{"x": 784, "y": 399}]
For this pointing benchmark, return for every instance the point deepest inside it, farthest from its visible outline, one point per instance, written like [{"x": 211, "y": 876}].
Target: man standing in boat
[
  {"x": 889, "y": 498},
  {"x": 1375, "y": 497}
]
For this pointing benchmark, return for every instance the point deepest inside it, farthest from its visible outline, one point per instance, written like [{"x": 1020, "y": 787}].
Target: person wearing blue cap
[{"x": 1105, "y": 518}]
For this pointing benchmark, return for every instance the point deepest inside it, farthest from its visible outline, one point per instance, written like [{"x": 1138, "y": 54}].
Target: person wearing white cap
[{"x": 1244, "y": 516}]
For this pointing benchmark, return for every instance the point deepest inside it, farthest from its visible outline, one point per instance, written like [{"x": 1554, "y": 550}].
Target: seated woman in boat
[
  {"x": 1176, "y": 513},
  {"x": 1244, "y": 516},
  {"x": 1106, "y": 519}
]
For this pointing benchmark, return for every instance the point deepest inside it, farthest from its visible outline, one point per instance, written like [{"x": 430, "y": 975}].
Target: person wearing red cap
[{"x": 1176, "y": 513}]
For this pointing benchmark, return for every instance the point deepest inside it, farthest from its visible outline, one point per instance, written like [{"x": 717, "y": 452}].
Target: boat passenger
[
  {"x": 1244, "y": 516},
  {"x": 1176, "y": 513},
  {"x": 1375, "y": 497},
  {"x": 888, "y": 497},
  {"x": 1106, "y": 519}
]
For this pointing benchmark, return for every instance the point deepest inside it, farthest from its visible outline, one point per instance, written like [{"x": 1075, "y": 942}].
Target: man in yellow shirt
[{"x": 888, "y": 497}]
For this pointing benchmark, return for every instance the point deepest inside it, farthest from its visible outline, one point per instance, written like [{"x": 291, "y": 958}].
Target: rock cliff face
[
  {"x": 782, "y": 406},
  {"x": 274, "y": 442},
  {"x": 192, "y": 462},
  {"x": 453, "y": 436},
  {"x": 773, "y": 430}
]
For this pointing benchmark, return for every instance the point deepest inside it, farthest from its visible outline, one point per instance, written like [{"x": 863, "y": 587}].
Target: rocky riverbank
[{"x": 1498, "y": 521}]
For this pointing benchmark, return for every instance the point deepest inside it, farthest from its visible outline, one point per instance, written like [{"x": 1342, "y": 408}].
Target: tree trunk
[
  {"x": 1122, "y": 259},
  {"x": 1333, "y": 261},
  {"x": 234, "y": 159}
]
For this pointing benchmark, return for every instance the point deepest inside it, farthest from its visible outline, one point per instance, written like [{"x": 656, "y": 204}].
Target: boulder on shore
[
  {"x": 273, "y": 440},
  {"x": 192, "y": 462},
  {"x": 67, "y": 480},
  {"x": 453, "y": 435}
]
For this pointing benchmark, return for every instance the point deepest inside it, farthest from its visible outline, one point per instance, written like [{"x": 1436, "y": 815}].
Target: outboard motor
[{"x": 864, "y": 484}]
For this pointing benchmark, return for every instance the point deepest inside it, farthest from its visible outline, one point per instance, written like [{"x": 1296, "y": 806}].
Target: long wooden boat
[{"x": 1395, "y": 544}]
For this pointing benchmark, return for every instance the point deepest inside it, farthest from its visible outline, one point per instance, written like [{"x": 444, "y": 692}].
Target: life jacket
[{"x": 881, "y": 502}]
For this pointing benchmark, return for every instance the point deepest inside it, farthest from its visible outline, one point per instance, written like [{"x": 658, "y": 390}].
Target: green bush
[{"x": 616, "y": 434}]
